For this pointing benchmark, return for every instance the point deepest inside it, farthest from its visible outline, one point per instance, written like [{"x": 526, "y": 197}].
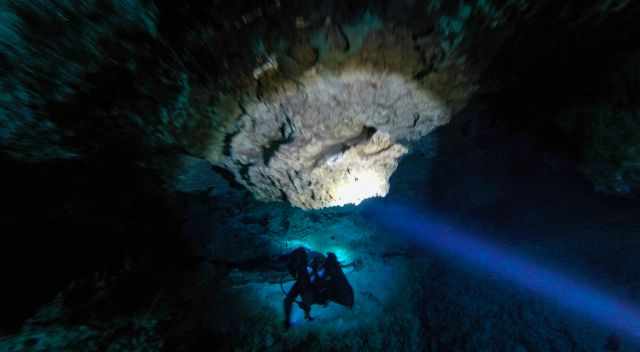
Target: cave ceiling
[{"x": 313, "y": 104}]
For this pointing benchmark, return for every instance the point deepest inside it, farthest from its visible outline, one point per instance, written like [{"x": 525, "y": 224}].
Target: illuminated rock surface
[{"x": 330, "y": 139}]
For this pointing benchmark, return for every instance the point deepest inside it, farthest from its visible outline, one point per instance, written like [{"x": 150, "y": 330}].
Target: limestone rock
[
  {"x": 304, "y": 53},
  {"x": 335, "y": 37},
  {"x": 331, "y": 139}
]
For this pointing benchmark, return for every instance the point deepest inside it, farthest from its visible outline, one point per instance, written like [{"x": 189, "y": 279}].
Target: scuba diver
[{"x": 319, "y": 279}]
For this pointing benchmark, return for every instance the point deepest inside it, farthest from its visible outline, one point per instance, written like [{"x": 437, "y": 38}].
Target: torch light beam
[{"x": 567, "y": 292}]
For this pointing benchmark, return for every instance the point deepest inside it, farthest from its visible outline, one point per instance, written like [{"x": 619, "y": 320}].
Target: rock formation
[{"x": 315, "y": 141}]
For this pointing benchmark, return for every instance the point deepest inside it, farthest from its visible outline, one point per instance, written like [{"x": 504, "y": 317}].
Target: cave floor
[
  {"x": 410, "y": 298},
  {"x": 407, "y": 296}
]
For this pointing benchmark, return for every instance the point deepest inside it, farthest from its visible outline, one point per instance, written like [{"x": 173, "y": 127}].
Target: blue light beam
[{"x": 577, "y": 296}]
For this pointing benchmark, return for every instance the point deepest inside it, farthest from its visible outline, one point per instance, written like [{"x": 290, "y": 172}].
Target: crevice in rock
[{"x": 286, "y": 136}]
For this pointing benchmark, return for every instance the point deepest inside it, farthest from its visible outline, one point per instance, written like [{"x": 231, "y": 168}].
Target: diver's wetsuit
[{"x": 311, "y": 274}]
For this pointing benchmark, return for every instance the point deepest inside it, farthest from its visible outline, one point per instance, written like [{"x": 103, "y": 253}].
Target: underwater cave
[{"x": 322, "y": 175}]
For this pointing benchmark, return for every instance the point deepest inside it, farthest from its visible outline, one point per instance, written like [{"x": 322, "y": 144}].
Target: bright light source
[{"x": 358, "y": 186}]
